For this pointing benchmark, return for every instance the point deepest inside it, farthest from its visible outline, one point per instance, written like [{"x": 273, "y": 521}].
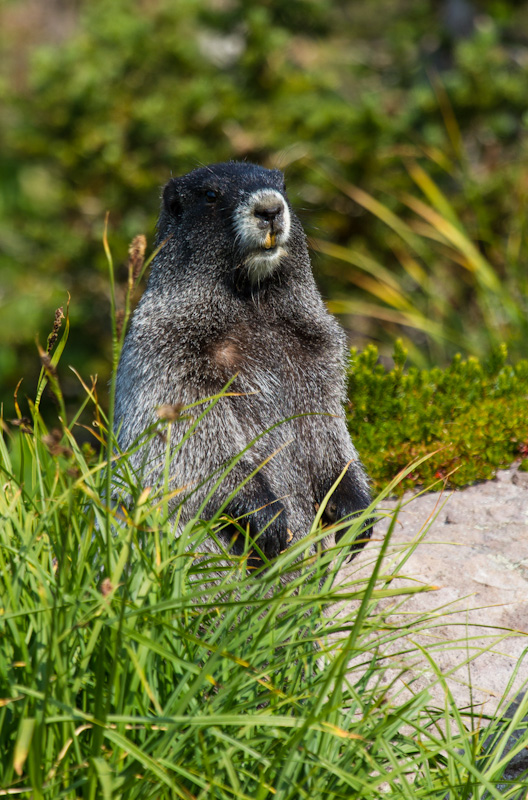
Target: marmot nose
[{"x": 268, "y": 214}]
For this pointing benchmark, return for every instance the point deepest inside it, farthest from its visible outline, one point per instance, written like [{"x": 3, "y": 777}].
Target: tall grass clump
[
  {"x": 133, "y": 666},
  {"x": 440, "y": 288}
]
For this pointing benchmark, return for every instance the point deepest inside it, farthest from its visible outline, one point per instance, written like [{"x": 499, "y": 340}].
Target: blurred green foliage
[
  {"x": 472, "y": 417},
  {"x": 99, "y": 112}
]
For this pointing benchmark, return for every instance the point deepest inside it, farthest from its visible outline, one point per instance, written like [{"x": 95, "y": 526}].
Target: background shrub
[{"x": 426, "y": 113}]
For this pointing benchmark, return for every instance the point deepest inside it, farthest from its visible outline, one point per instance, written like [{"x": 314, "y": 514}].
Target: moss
[{"x": 472, "y": 417}]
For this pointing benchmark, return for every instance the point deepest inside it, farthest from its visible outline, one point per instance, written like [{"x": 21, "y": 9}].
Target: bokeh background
[{"x": 400, "y": 124}]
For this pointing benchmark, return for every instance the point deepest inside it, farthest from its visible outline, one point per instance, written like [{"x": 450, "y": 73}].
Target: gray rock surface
[{"x": 473, "y": 547}]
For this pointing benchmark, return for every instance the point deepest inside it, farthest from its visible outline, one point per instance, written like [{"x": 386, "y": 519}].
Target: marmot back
[{"x": 231, "y": 296}]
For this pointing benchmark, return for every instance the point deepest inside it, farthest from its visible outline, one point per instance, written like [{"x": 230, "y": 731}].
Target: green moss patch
[{"x": 472, "y": 417}]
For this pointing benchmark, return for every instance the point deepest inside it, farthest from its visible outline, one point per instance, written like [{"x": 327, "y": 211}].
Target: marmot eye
[{"x": 211, "y": 195}]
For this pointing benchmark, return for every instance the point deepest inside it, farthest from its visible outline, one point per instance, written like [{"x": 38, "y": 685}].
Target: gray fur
[{"x": 231, "y": 292}]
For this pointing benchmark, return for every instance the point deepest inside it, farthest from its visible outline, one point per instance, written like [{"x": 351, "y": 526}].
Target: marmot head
[{"x": 233, "y": 217}]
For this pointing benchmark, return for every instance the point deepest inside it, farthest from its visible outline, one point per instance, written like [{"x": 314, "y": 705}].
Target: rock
[{"x": 472, "y": 546}]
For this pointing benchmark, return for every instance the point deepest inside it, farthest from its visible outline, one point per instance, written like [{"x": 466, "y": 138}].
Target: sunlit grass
[
  {"x": 441, "y": 285},
  {"x": 130, "y": 669}
]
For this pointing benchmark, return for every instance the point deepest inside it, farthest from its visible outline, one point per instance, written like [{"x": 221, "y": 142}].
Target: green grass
[
  {"x": 126, "y": 672},
  {"x": 439, "y": 291}
]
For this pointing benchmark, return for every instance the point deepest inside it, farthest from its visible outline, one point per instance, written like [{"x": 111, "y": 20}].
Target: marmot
[{"x": 231, "y": 296}]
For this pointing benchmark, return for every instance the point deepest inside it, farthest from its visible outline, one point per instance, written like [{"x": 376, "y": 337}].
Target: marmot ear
[{"x": 171, "y": 199}]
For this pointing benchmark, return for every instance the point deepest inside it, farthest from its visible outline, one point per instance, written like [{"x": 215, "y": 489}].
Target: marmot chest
[{"x": 268, "y": 357}]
